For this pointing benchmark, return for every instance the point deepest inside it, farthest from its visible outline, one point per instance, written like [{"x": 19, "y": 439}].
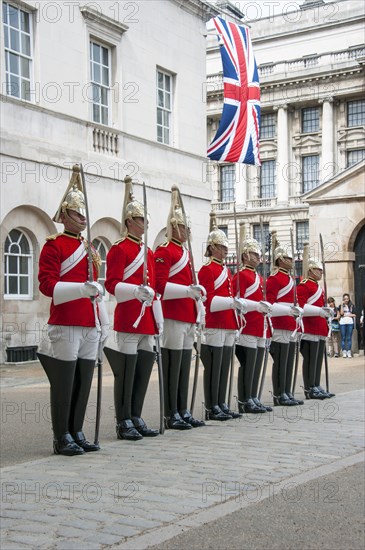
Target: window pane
[
  {"x": 310, "y": 171},
  {"x": 302, "y": 234},
  {"x": 166, "y": 134},
  {"x": 104, "y": 115},
  {"x": 25, "y": 89},
  {"x": 267, "y": 180},
  {"x": 23, "y": 265},
  {"x": 159, "y": 134},
  {"x": 14, "y": 40},
  {"x": 6, "y": 37},
  {"x": 167, "y": 101},
  {"x": 24, "y": 67},
  {"x": 104, "y": 96},
  {"x": 105, "y": 56},
  {"x": 159, "y": 116},
  {"x": 96, "y": 113},
  {"x": 24, "y": 21},
  {"x": 355, "y": 156},
  {"x": 13, "y": 285},
  {"x": 105, "y": 76},
  {"x": 24, "y": 285},
  {"x": 160, "y": 98},
  {"x": 14, "y": 63},
  {"x": 13, "y": 87},
  {"x": 160, "y": 80},
  {"x": 5, "y": 13},
  {"x": 13, "y": 264},
  {"x": 167, "y": 83},
  {"x": 227, "y": 183},
  {"x": 13, "y": 17},
  {"x": 356, "y": 113},
  {"x": 310, "y": 119},
  {"x": 25, "y": 44},
  {"x": 95, "y": 93},
  {"x": 24, "y": 245},
  {"x": 96, "y": 53},
  {"x": 96, "y": 72},
  {"x": 268, "y": 126}
]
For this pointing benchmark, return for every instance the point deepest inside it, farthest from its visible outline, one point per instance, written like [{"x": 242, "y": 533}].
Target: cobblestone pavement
[{"x": 136, "y": 494}]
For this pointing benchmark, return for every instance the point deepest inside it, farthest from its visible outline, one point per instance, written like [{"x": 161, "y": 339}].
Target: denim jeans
[{"x": 346, "y": 336}]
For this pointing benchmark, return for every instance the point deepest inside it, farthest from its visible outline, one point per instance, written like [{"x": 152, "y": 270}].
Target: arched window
[
  {"x": 18, "y": 266},
  {"x": 102, "y": 250}
]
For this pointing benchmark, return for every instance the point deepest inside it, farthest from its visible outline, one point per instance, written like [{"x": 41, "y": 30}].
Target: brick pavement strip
[{"x": 132, "y": 495}]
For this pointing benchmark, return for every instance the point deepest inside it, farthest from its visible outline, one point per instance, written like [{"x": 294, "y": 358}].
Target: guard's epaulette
[
  {"x": 166, "y": 243},
  {"x": 303, "y": 281},
  {"x": 275, "y": 271},
  {"x": 119, "y": 241},
  {"x": 53, "y": 237}
]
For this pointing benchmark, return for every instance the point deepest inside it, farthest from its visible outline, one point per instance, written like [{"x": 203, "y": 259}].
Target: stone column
[
  {"x": 328, "y": 159},
  {"x": 282, "y": 183}
]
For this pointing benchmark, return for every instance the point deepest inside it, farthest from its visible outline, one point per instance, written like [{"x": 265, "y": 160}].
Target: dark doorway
[{"x": 359, "y": 249}]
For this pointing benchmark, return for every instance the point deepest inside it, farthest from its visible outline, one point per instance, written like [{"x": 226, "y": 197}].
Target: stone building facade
[
  {"x": 117, "y": 86},
  {"x": 312, "y": 139}
]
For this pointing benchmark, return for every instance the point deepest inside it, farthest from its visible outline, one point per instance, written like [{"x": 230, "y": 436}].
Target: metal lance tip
[
  {"x": 128, "y": 179},
  {"x": 76, "y": 169},
  {"x": 174, "y": 187}
]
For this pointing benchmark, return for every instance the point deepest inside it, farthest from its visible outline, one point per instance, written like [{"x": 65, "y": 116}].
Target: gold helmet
[
  {"x": 131, "y": 207},
  {"x": 314, "y": 263},
  {"x": 73, "y": 198},
  {"x": 216, "y": 236},
  {"x": 280, "y": 253},
  {"x": 250, "y": 245},
  {"x": 176, "y": 216}
]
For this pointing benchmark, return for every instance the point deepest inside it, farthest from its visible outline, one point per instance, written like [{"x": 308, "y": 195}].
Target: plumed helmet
[
  {"x": 73, "y": 198},
  {"x": 216, "y": 236},
  {"x": 314, "y": 263},
  {"x": 280, "y": 252},
  {"x": 176, "y": 216},
  {"x": 250, "y": 245},
  {"x": 131, "y": 207}
]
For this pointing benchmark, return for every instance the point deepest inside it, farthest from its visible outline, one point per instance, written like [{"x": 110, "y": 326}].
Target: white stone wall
[{"x": 43, "y": 138}]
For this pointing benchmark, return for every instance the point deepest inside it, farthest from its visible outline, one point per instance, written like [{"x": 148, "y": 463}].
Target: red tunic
[
  {"x": 56, "y": 250},
  {"x": 314, "y": 324},
  {"x": 119, "y": 257},
  {"x": 254, "y": 319},
  {"x": 166, "y": 256},
  {"x": 207, "y": 275},
  {"x": 276, "y": 283}
]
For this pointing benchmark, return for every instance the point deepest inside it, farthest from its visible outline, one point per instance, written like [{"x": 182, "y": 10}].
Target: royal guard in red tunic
[
  {"x": 221, "y": 325},
  {"x": 313, "y": 341},
  {"x": 280, "y": 293},
  {"x": 134, "y": 321},
  {"x": 78, "y": 321},
  {"x": 250, "y": 349},
  {"x": 181, "y": 304}
]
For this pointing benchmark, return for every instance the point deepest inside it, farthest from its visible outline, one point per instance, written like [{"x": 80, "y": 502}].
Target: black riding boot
[
  {"x": 61, "y": 376},
  {"x": 320, "y": 357},
  {"x": 289, "y": 374},
  {"x": 309, "y": 351},
  {"x": 247, "y": 359},
  {"x": 211, "y": 358},
  {"x": 80, "y": 395},
  {"x": 123, "y": 367},
  {"x": 183, "y": 391},
  {"x": 223, "y": 383},
  {"x": 281, "y": 356},
  {"x": 145, "y": 360},
  {"x": 256, "y": 380},
  {"x": 171, "y": 363}
]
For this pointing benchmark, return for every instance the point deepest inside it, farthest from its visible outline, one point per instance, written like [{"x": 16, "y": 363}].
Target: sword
[
  {"x": 267, "y": 340},
  {"x": 91, "y": 279},
  {"x": 195, "y": 281},
  {"x": 157, "y": 336},
  {"x": 231, "y": 374},
  {"x": 297, "y": 340},
  {"x": 325, "y": 301}
]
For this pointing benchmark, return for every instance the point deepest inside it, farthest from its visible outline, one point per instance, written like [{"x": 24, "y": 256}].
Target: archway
[{"x": 359, "y": 273}]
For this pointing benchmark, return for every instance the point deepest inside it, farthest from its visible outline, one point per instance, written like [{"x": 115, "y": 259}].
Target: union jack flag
[{"x": 237, "y": 138}]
